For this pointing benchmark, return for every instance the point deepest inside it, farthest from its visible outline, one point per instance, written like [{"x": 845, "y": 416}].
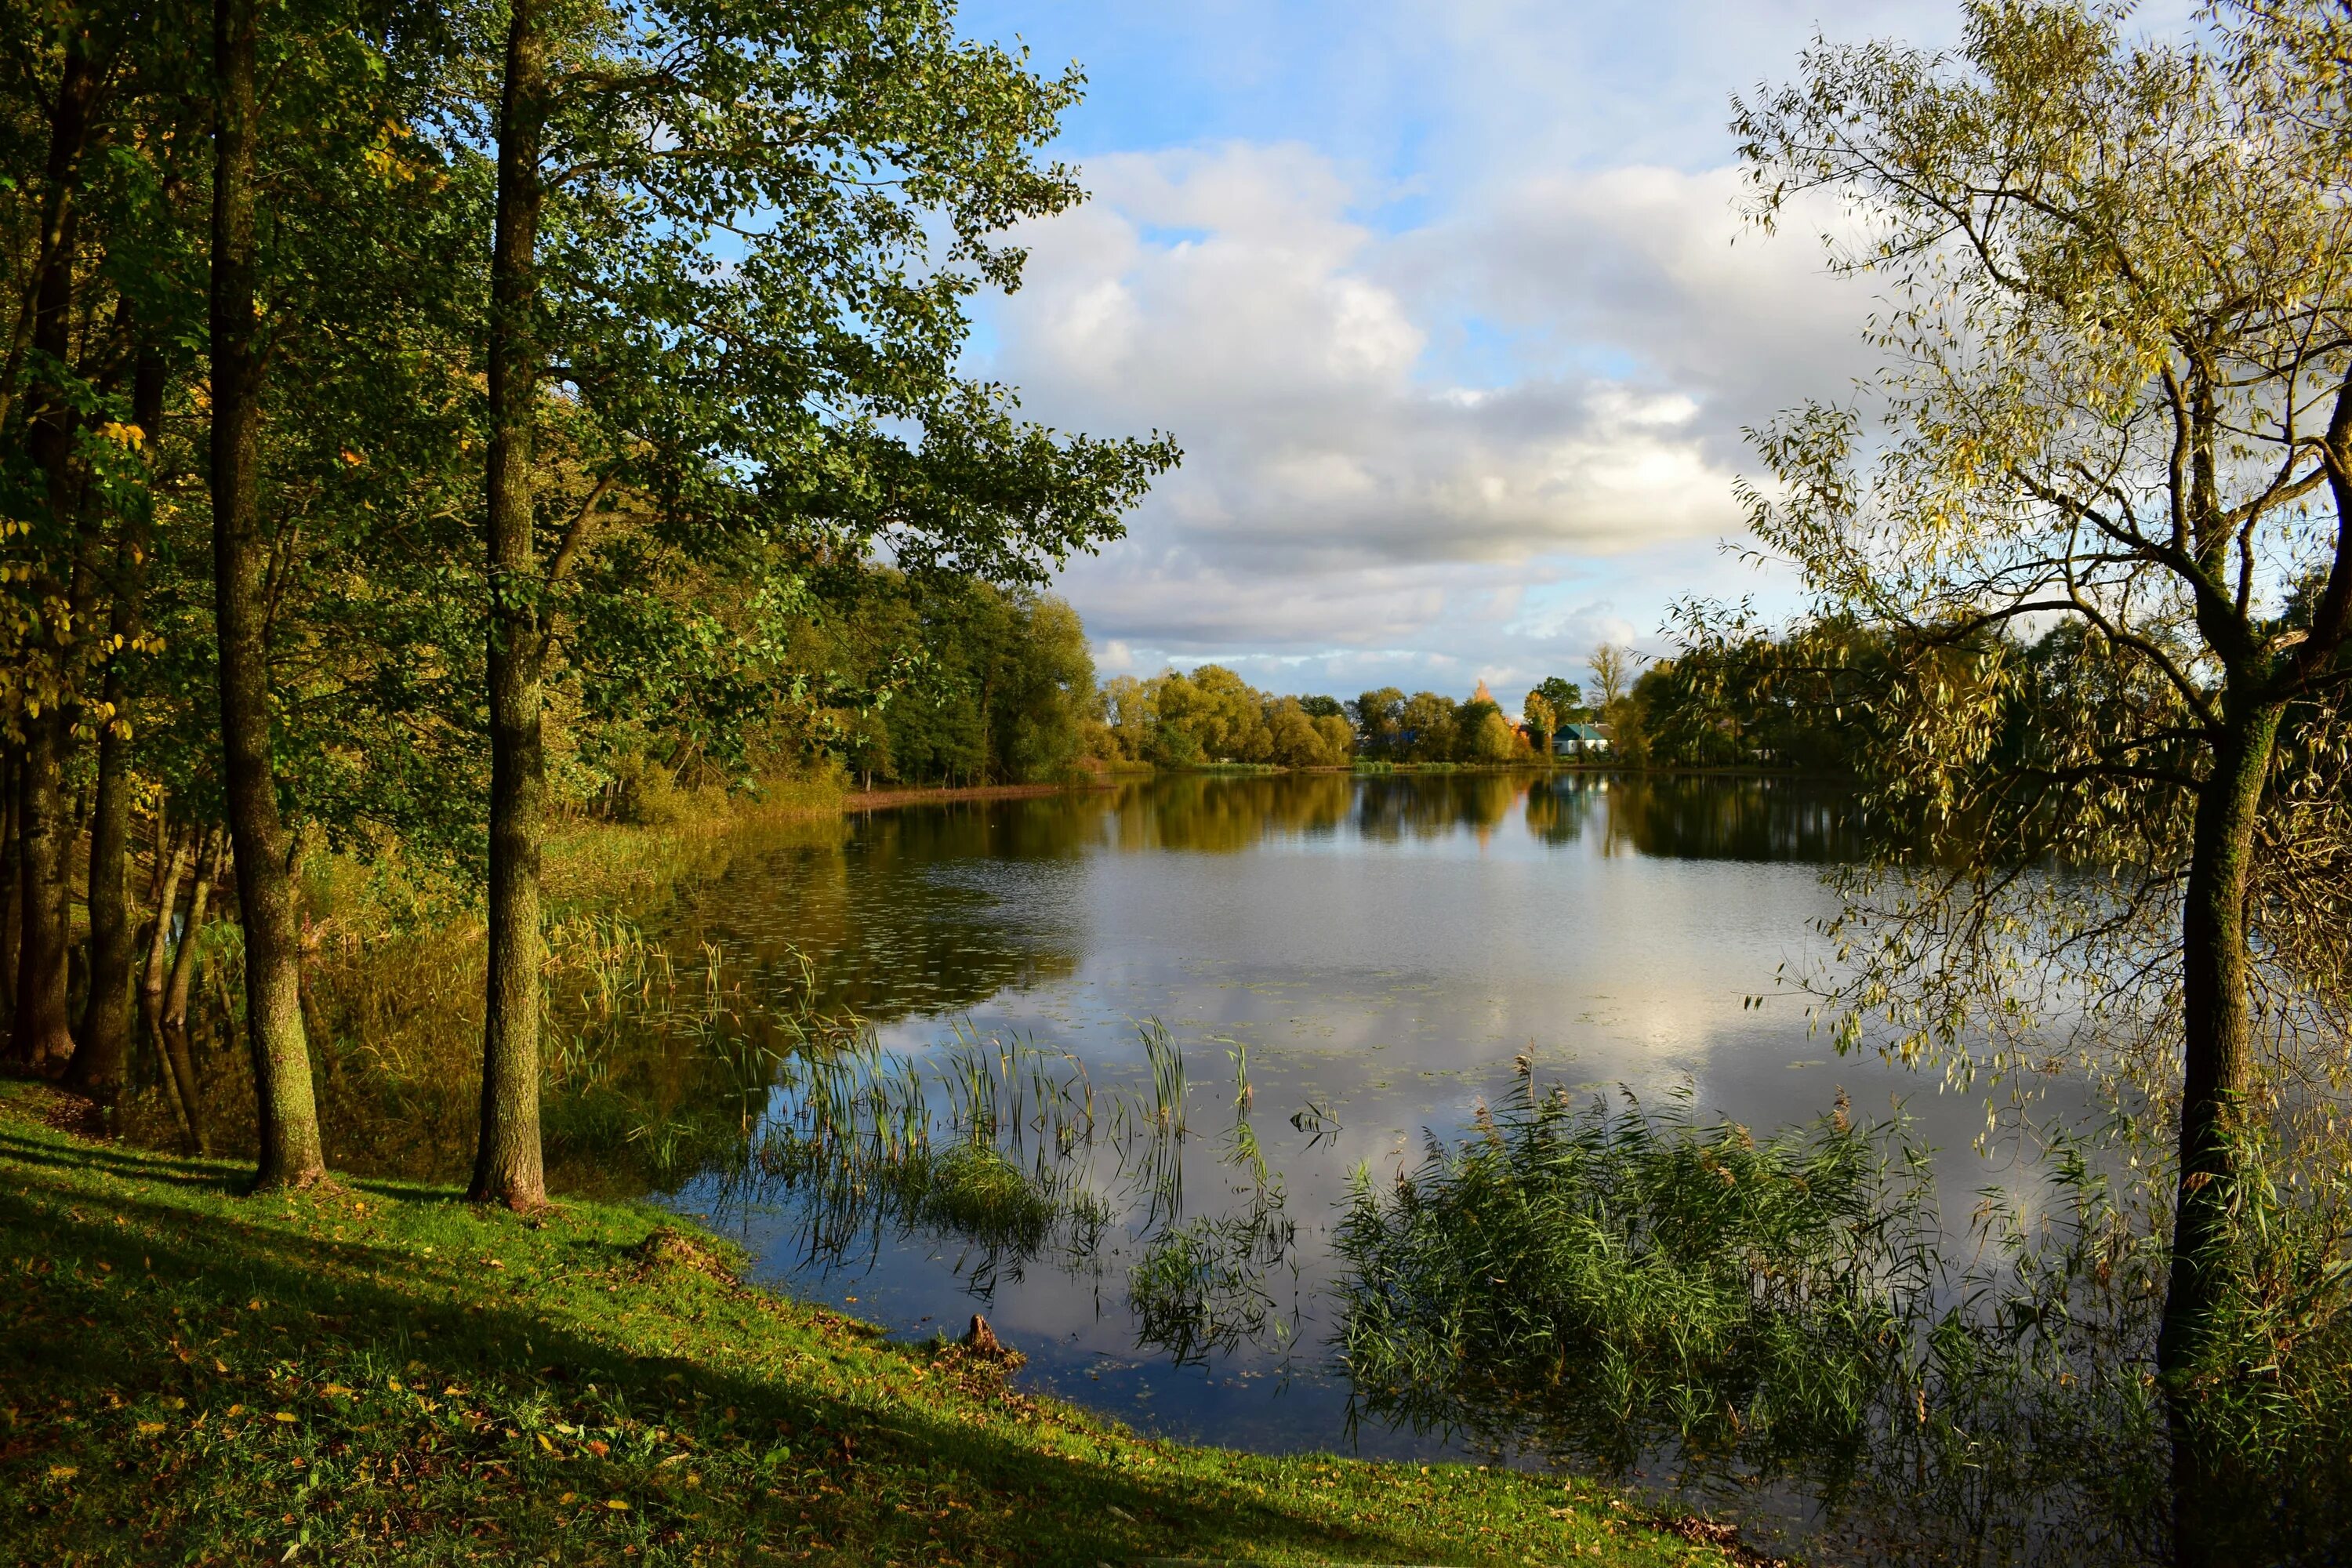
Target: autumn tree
[
  {"x": 2117, "y": 396},
  {"x": 1566, "y": 698},
  {"x": 1377, "y": 715},
  {"x": 1541, "y": 719},
  {"x": 1612, "y": 674}
]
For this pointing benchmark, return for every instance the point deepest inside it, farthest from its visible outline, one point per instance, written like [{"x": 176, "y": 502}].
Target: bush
[{"x": 643, "y": 793}]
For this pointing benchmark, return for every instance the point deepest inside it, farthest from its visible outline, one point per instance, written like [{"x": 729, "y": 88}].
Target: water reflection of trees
[
  {"x": 1208, "y": 814},
  {"x": 885, "y": 934},
  {"x": 1391, "y": 808},
  {"x": 1700, "y": 818},
  {"x": 1709, "y": 817}
]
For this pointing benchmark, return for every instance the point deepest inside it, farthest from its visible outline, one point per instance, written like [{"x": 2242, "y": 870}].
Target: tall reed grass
[{"x": 1632, "y": 1288}]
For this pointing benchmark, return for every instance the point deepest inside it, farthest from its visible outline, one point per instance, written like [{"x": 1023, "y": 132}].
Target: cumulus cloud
[
  {"x": 1369, "y": 485},
  {"x": 1229, "y": 295},
  {"x": 1448, "y": 305}
]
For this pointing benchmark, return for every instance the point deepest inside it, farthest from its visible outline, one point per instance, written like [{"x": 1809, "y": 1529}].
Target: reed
[{"x": 1632, "y": 1288}]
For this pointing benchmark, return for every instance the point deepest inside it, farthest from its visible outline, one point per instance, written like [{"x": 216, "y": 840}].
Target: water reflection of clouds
[{"x": 1380, "y": 947}]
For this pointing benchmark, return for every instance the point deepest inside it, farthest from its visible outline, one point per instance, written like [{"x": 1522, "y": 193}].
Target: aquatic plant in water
[{"x": 1635, "y": 1289}]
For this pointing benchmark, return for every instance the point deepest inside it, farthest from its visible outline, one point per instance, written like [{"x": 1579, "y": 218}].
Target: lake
[{"x": 1369, "y": 954}]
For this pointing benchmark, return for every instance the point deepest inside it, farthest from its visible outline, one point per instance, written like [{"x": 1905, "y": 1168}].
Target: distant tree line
[{"x": 1212, "y": 715}]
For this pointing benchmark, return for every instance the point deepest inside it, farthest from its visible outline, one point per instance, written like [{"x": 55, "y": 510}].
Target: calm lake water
[{"x": 1376, "y": 951}]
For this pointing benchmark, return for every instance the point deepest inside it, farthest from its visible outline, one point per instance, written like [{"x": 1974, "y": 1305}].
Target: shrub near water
[
  {"x": 1615, "y": 1281},
  {"x": 1634, "y": 1288}
]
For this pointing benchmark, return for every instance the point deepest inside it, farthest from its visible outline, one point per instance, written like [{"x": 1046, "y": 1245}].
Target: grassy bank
[{"x": 380, "y": 1373}]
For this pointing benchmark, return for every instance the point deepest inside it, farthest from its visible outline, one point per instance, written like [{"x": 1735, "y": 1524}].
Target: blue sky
[{"x": 1448, "y": 304}]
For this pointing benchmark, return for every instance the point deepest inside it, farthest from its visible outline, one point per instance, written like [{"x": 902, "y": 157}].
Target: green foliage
[
  {"x": 1212, "y": 716},
  {"x": 1565, "y": 699},
  {"x": 941, "y": 681},
  {"x": 1608, "y": 1284}
]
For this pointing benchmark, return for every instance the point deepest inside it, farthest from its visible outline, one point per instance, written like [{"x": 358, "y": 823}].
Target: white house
[{"x": 1580, "y": 740}]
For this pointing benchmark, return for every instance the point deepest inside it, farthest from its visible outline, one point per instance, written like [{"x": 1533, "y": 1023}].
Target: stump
[{"x": 979, "y": 1339}]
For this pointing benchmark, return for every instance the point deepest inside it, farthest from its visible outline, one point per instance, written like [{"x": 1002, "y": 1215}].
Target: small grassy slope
[{"x": 380, "y": 1373}]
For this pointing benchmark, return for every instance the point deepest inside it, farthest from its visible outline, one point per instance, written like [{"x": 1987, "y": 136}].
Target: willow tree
[
  {"x": 723, "y": 322},
  {"x": 2116, "y": 321}
]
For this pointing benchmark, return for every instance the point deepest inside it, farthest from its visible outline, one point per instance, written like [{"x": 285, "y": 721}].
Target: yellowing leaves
[
  {"x": 121, "y": 434},
  {"x": 150, "y": 1428}
]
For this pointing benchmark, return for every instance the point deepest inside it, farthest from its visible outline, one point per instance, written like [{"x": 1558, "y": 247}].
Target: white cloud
[{"x": 1361, "y": 492}]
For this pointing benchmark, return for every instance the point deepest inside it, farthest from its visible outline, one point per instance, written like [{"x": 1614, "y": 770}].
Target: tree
[
  {"x": 1124, "y": 705},
  {"x": 1566, "y": 698},
  {"x": 1612, "y": 672},
  {"x": 1541, "y": 720},
  {"x": 1338, "y": 736},
  {"x": 1378, "y": 716},
  {"x": 737, "y": 315},
  {"x": 1225, "y": 716},
  {"x": 507, "y": 1167},
  {"x": 1426, "y": 727},
  {"x": 1492, "y": 739},
  {"x": 2119, "y": 396},
  {"x": 1292, "y": 740},
  {"x": 291, "y": 1152},
  {"x": 1045, "y": 692}
]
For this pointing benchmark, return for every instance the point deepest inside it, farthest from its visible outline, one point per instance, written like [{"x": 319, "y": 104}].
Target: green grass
[{"x": 381, "y": 1373}]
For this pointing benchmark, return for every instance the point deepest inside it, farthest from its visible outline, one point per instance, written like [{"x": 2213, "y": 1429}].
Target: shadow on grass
[{"x": 342, "y": 1297}]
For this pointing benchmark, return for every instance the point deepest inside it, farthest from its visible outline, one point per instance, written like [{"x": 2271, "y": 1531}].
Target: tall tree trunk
[
  {"x": 507, "y": 1164},
  {"x": 287, "y": 1112},
  {"x": 172, "y": 863},
  {"x": 2217, "y": 976},
  {"x": 12, "y": 874},
  {"x": 173, "y": 1025},
  {"x": 41, "y": 1032},
  {"x": 98, "y": 1065},
  {"x": 184, "y": 959}
]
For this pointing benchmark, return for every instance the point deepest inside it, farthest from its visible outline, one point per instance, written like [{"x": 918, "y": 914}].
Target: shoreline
[
  {"x": 884, "y": 799},
  {"x": 376, "y": 1372}
]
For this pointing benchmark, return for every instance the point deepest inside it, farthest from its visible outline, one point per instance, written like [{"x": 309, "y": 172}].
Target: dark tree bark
[
  {"x": 184, "y": 960},
  {"x": 40, "y": 1033},
  {"x": 98, "y": 1065},
  {"x": 12, "y": 876},
  {"x": 290, "y": 1151},
  {"x": 2217, "y": 977},
  {"x": 171, "y": 866},
  {"x": 507, "y": 1167}
]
